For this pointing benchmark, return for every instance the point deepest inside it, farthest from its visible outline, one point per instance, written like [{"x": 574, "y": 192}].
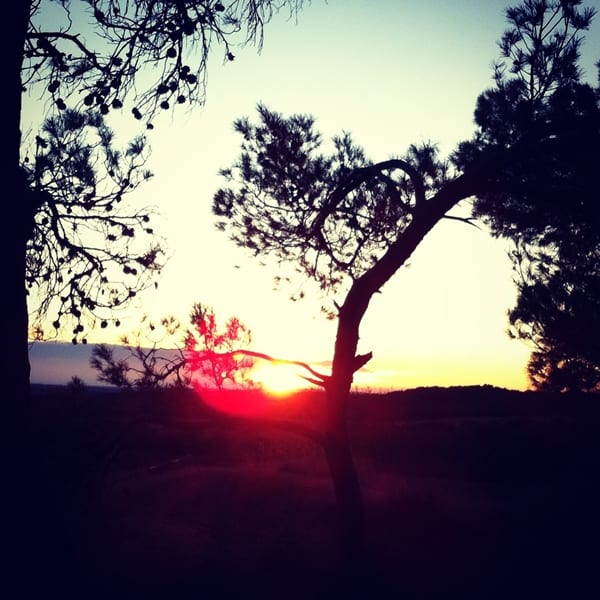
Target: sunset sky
[{"x": 392, "y": 73}]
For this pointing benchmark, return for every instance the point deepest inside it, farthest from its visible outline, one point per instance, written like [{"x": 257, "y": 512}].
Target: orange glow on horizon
[
  {"x": 245, "y": 403},
  {"x": 276, "y": 382}
]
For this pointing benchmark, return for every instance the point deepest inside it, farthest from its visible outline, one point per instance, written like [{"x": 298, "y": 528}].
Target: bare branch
[
  {"x": 467, "y": 220},
  {"x": 320, "y": 377}
]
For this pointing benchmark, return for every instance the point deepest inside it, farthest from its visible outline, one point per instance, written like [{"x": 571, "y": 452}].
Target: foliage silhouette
[
  {"x": 83, "y": 257},
  {"x": 550, "y": 210},
  {"x": 212, "y": 356},
  {"x": 349, "y": 224},
  {"x": 558, "y": 305},
  {"x": 163, "y": 354}
]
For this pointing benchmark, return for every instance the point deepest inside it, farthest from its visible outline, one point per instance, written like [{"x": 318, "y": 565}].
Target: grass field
[{"x": 469, "y": 493}]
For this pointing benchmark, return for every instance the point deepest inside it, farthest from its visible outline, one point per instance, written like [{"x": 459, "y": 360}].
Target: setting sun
[{"x": 279, "y": 379}]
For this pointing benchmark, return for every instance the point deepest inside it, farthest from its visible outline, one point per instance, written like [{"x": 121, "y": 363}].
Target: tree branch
[
  {"x": 467, "y": 220},
  {"x": 362, "y": 175},
  {"x": 74, "y": 39},
  {"x": 360, "y": 360},
  {"x": 319, "y": 378}
]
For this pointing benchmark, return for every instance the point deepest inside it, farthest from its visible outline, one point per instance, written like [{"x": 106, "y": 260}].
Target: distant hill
[
  {"x": 55, "y": 363},
  {"x": 56, "y": 389},
  {"x": 486, "y": 400}
]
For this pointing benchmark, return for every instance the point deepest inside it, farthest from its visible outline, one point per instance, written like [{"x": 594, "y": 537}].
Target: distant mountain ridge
[{"x": 56, "y": 363}]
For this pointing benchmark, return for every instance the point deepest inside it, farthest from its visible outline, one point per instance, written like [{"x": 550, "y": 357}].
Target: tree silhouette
[
  {"x": 164, "y": 354},
  {"x": 550, "y": 209},
  {"x": 349, "y": 224},
  {"x": 212, "y": 352},
  {"x": 145, "y": 360},
  {"x": 141, "y": 57}
]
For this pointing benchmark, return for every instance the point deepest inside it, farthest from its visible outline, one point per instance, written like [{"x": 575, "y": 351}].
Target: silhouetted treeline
[
  {"x": 477, "y": 401},
  {"x": 486, "y": 401}
]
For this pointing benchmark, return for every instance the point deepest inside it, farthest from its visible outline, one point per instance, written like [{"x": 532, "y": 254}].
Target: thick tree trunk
[
  {"x": 36, "y": 553},
  {"x": 338, "y": 452},
  {"x": 349, "y": 501},
  {"x": 18, "y": 223}
]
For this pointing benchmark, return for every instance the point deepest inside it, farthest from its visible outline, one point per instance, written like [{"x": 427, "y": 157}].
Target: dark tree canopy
[
  {"x": 85, "y": 256},
  {"x": 145, "y": 55},
  {"x": 558, "y": 312},
  {"x": 538, "y": 99},
  {"x": 547, "y": 202}
]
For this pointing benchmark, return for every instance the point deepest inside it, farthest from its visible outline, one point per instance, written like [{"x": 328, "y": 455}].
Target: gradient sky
[{"x": 392, "y": 73}]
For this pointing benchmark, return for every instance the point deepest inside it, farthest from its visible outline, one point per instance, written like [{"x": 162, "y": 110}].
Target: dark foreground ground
[{"x": 469, "y": 493}]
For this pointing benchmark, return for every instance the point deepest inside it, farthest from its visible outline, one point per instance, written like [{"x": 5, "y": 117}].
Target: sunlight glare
[{"x": 278, "y": 379}]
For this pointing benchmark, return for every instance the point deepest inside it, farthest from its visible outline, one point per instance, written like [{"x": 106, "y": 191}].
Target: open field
[{"x": 469, "y": 492}]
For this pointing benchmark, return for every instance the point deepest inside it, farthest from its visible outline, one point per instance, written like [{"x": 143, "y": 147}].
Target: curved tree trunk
[{"x": 346, "y": 362}]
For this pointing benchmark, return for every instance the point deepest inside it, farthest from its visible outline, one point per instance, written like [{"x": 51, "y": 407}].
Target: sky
[{"x": 392, "y": 73}]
